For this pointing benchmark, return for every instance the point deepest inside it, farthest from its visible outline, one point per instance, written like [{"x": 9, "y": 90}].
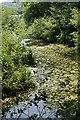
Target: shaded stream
[
  {"x": 32, "y": 110},
  {"x": 36, "y": 107}
]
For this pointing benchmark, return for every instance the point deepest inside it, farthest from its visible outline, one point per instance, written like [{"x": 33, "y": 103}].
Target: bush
[
  {"x": 11, "y": 21},
  {"x": 43, "y": 28},
  {"x": 20, "y": 79},
  {"x": 57, "y": 22},
  {"x": 27, "y": 57},
  {"x": 16, "y": 76}
]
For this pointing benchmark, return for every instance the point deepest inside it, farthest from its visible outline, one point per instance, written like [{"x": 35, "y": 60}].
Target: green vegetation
[
  {"x": 15, "y": 58},
  {"x": 53, "y": 32},
  {"x": 15, "y": 76},
  {"x": 61, "y": 81},
  {"x": 11, "y": 21},
  {"x": 52, "y": 22}
]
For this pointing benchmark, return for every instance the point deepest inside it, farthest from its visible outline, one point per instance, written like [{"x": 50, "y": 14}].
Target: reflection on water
[
  {"x": 36, "y": 106},
  {"x": 33, "y": 109}
]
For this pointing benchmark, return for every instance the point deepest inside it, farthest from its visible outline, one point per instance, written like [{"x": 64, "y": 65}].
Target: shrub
[
  {"x": 57, "y": 22},
  {"x": 43, "y": 28},
  {"x": 20, "y": 79},
  {"x": 27, "y": 57},
  {"x": 16, "y": 76}
]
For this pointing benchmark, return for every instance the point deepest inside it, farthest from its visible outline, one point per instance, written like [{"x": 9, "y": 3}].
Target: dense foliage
[
  {"x": 15, "y": 57},
  {"x": 12, "y": 21},
  {"x": 52, "y": 22},
  {"x": 56, "y": 23}
]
